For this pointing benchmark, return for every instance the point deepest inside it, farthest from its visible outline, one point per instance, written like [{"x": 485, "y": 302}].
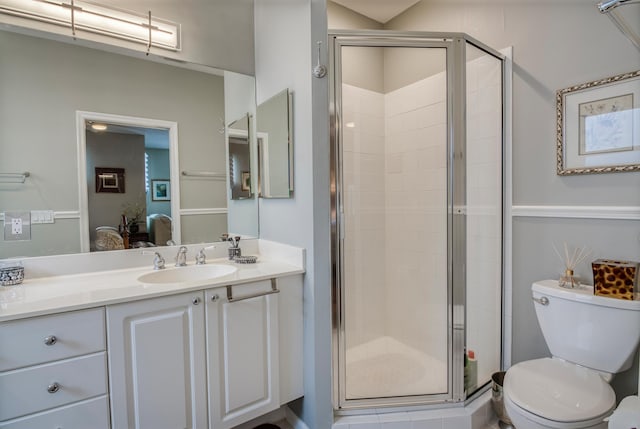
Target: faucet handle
[
  {"x": 201, "y": 258},
  {"x": 158, "y": 260},
  {"x": 181, "y": 257}
]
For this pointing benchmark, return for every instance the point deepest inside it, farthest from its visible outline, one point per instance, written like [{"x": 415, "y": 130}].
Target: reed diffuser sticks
[{"x": 571, "y": 259}]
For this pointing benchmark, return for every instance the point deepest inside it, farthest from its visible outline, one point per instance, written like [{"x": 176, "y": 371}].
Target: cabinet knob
[
  {"x": 53, "y": 388},
  {"x": 50, "y": 340},
  {"x": 196, "y": 300},
  {"x": 215, "y": 297}
]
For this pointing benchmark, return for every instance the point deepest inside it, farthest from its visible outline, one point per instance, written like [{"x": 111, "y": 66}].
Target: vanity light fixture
[{"x": 99, "y": 19}]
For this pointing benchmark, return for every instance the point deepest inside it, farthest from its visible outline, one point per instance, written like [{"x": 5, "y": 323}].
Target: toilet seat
[{"x": 558, "y": 393}]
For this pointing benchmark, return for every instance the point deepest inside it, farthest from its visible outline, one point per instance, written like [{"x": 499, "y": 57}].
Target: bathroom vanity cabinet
[{"x": 208, "y": 358}]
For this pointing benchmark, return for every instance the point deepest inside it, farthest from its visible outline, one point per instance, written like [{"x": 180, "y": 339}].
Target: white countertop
[{"x": 45, "y": 295}]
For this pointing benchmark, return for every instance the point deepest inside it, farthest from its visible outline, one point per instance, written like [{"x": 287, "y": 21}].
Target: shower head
[{"x": 607, "y": 5}]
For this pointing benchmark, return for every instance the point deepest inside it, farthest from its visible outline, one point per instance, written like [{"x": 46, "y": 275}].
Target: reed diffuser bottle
[{"x": 571, "y": 259}]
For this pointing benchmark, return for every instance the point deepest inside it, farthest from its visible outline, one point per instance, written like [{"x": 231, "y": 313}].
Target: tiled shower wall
[
  {"x": 416, "y": 222},
  {"x": 394, "y": 180},
  {"x": 363, "y": 184}
]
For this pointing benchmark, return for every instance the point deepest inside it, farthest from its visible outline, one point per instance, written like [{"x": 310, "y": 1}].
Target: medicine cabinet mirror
[
  {"x": 239, "y": 143},
  {"x": 275, "y": 146}
]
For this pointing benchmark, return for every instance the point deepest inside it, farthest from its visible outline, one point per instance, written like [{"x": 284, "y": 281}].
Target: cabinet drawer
[
  {"x": 28, "y": 390},
  {"x": 93, "y": 413},
  {"x": 48, "y": 338}
]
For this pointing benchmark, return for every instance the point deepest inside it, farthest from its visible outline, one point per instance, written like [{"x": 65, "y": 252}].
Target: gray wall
[
  {"x": 363, "y": 68},
  {"x": 286, "y": 35},
  {"x": 43, "y": 83},
  {"x": 555, "y": 45}
]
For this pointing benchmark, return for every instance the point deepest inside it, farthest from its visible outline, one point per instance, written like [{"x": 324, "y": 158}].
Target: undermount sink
[{"x": 191, "y": 273}]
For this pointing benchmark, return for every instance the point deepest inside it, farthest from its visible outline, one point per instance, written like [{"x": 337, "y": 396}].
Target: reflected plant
[{"x": 134, "y": 213}]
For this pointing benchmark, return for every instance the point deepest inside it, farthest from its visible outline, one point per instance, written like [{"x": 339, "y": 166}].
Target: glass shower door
[{"x": 394, "y": 203}]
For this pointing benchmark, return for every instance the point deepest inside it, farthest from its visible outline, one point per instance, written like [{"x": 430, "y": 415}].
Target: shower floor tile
[{"x": 386, "y": 367}]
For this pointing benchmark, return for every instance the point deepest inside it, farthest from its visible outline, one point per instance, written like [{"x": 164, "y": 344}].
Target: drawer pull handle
[
  {"x": 215, "y": 298},
  {"x": 53, "y": 388},
  {"x": 196, "y": 301},
  {"x": 50, "y": 340}
]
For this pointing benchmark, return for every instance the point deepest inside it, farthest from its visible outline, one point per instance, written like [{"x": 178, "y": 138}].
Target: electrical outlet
[{"x": 17, "y": 226}]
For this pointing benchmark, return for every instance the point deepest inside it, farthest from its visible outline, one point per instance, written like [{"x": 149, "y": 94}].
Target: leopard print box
[{"x": 616, "y": 279}]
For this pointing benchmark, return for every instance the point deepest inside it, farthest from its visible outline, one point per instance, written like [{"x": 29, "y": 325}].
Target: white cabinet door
[
  {"x": 157, "y": 363},
  {"x": 242, "y": 353}
]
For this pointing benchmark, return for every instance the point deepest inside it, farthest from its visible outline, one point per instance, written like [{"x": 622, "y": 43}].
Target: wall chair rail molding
[
  {"x": 203, "y": 211},
  {"x": 579, "y": 212},
  {"x": 65, "y": 214}
]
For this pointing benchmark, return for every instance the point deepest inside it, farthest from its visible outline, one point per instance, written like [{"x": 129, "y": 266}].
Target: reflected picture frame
[
  {"x": 161, "y": 190},
  {"x": 598, "y": 126},
  {"x": 109, "y": 180}
]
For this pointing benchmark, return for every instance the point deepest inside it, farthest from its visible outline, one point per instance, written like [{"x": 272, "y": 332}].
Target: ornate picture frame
[{"x": 598, "y": 126}]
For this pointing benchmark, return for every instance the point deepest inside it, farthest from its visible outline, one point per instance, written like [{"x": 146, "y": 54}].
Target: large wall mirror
[
  {"x": 46, "y": 84},
  {"x": 275, "y": 146}
]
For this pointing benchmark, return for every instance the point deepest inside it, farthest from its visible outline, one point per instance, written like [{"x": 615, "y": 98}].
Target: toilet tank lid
[
  {"x": 558, "y": 390},
  {"x": 582, "y": 294}
]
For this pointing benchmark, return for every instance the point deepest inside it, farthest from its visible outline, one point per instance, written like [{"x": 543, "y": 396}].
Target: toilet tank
[{"x": 593, "y": 331}]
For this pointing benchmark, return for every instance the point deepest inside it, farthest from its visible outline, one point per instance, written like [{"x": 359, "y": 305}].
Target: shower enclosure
[{"x": 417, "y": 180}]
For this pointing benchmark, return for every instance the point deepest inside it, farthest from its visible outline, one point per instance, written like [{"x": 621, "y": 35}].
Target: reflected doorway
[{"x": 129, "y": 186}]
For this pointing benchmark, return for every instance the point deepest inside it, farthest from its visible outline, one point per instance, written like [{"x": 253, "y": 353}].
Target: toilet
[{"x": 591, "y": 338}]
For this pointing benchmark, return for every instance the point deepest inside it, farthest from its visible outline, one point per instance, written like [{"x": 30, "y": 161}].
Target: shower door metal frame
[{"x": 454, "y": 44}]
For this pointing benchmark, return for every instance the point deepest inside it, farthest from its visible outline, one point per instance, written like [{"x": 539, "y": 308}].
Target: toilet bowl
[
  {"x": 552, "y": 393},
  {"x": 571, "y": 389}
]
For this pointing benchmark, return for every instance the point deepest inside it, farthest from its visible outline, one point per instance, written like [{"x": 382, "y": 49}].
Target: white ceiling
[{"x": 378, "y": 10}]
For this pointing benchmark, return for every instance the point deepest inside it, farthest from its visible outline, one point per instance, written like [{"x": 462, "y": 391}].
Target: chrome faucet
[
  {"x": 201, "y": 258},
  {"x": 158, "y": 260},
  {"x": 181, "y": 257}
]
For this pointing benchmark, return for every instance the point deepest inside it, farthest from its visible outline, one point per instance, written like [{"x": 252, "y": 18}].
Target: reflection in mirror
[
  {"x": 44, "y": 83},
  {"x": 275, "y": 146},
  {"x": 128, "y": 182},
  {"x": 239, "y": 137}
]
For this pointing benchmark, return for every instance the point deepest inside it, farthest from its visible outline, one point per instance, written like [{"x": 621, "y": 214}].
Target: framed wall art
[
  {"x": 598, "y": 126},
  {"x": 160, "y": 190}
]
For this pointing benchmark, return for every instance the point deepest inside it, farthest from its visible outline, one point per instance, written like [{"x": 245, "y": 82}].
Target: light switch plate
[
  {"x": 17, "y": 226},
  {"x": 42, "y": 216}
]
